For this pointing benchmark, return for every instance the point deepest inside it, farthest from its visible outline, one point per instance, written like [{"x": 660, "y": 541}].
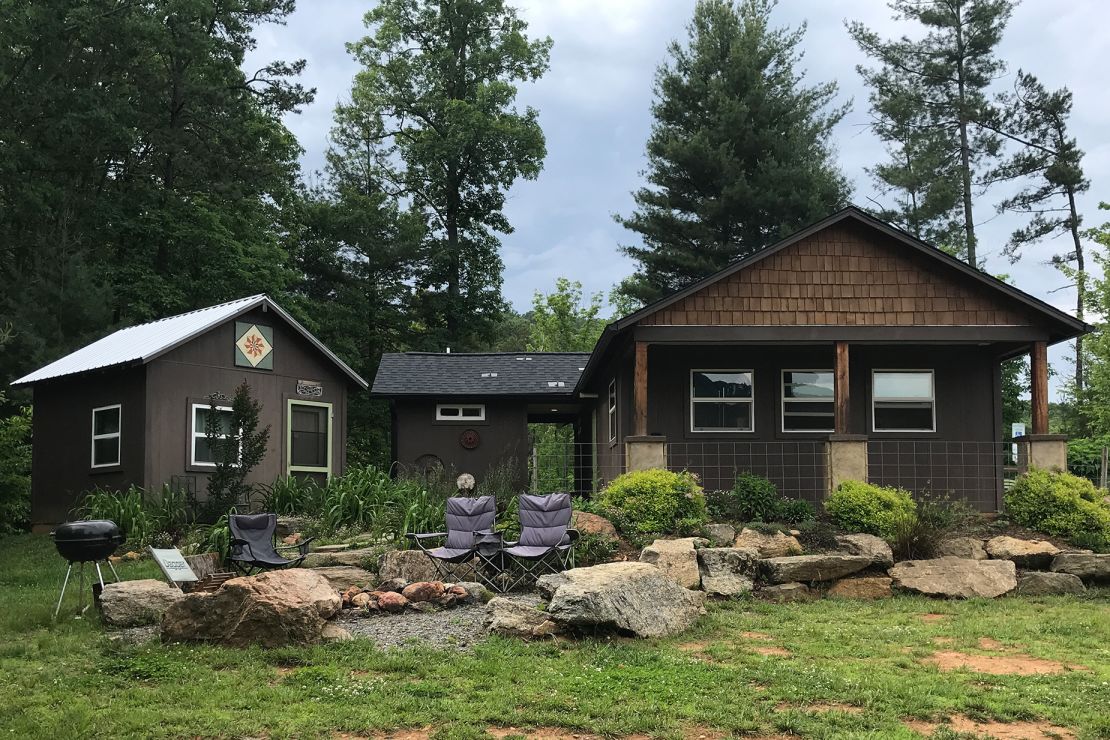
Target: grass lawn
[{"x": 827, "y": 669}]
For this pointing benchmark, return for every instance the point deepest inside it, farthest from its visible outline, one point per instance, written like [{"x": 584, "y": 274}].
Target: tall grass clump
[{"x": 146, "y": 518}]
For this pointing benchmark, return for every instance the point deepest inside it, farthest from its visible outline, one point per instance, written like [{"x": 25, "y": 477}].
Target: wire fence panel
[
  {"x": 569, "y": 466},
  {"x": 796, "y": 468},
  {"x": 973, "y": 471}
]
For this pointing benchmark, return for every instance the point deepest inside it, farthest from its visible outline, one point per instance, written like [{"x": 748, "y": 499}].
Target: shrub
[
  {"x": 795, "y": 511},
  {"x": 592, "y": 549},
  {"x": 816, "y": 536},
  {"x": 146, "y": 518},
  {"x": 863, "y": 507},
  {"x": 915, "y": 537},
  {"x": 1060, "y": 504},
  {"x": 754, "y": 498},
  {"x": 15, "y": 470},
  {"x": 654, "y": 501}
]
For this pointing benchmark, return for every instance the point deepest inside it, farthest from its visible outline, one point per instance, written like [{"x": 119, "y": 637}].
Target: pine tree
[{"x": 739, "y": 152}]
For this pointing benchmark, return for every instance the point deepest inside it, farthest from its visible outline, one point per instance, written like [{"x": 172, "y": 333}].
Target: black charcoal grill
[{"x": 89, "y": 541}]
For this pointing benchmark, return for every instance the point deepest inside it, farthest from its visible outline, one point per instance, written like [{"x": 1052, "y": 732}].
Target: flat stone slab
[
  {"x": 1025, "y": 553},
  {"x": 358, "y": 558},
  {"x": 1037, "y": 583},
  {"x": 955, "y": 578},
  {"x": 135, "y": 603},
  {"x": 804, "y": 568},
  {"x": 1091, "y": 567},
  {"x": 869, "y": 546},
  {"x": 677, "y": 559},
  {"x": 342, "y": 577}
]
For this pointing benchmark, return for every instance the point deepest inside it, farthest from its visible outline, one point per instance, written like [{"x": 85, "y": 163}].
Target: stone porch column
[
  {"x": 1044, "y": 451},
  {"x": 644, "y": 452},
  {"x": 847, "y": 459}
]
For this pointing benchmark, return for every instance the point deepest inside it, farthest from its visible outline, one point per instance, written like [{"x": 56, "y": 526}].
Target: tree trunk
[
  {"x": 965, "y": 148},
  {"x": 1080, "y": 287}
]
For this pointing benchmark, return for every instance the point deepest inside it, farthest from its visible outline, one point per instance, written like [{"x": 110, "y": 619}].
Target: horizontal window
[
  {"x": 903, "y": 401},
  {"x": 807, "y": 400},
  {"x": 721, "y": 401},
  {"x": 105, "y": 436},
  {"x": 463, "y": 412}
]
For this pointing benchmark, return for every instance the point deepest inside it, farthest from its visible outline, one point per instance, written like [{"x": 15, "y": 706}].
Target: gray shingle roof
[{"x": 479, "y": 374}]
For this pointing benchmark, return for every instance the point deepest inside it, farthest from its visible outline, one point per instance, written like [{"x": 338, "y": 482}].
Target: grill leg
[
  {"x": 113, "y": 569},
  {"x": 81, "y": 593},
  {"x": 99, "y": 575},
  {"x": 61, "y": 596}
]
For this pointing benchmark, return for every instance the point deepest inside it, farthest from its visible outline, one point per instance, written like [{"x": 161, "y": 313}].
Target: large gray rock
[
  {"x": 970, "y": 548},
  {"x": 342, "y": 577},
  {"x": 865, "y": 588},
  {"x": 1033, "y": 554},
  {"x": 955, "y": 578},
  {"x": 1090, "y": 567},
  {"x": 869, "y": 546},
  {"x": 1038, "y": 583},
  {"x": 363, "y": 557},
  {"x": 786, "y": 592},
  {"x": 412, "y": 565},
  {"x": 676, "y": 558},
  {"x": 135, "y": 603},
  {"x": 720, "y": 535},
  {"x": 282, "y": 607},
  {"x": 811, "y": 567},
  {"x": 633, "y": 598},
  {"x": 513, "y": 619},
  {"x": 727, "y": 571},
  {"x": 774, "y": 545}
]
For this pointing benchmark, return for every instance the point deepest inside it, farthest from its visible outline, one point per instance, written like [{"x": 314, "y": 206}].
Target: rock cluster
[{"x": 397, "y": 595}]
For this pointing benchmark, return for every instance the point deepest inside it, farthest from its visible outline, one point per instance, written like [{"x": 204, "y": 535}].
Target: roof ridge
[
  {"x": 484, "y": 354},
  {"x": 244, "y": 299}
]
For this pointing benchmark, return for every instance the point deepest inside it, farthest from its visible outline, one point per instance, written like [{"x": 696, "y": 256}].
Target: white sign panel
[{"x": 173, "y": 564}]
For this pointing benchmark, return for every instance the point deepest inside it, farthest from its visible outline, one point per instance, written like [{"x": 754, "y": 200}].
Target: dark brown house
[
  {"x": 131, "y": 407},
  {"x": 847, "y": 350}
]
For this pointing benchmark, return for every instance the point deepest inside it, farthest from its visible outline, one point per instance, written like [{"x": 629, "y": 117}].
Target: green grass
[{"x": 67, "y": 679}]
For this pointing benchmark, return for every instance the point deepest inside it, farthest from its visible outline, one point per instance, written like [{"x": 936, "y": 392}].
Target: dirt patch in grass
[
  {"x": 932, "y": 617},
  {"x": 756, "y": 636},
  {"x": 989, "y": 643},
  {"x": 771, "y": 651},
  {"x": 998, "y": 665},
  {"x": 997, "y": 730},
  {"x": 943, "y": 640},
  {"x": 538, "y": 733},
  {"x": 820, "y": 707}
]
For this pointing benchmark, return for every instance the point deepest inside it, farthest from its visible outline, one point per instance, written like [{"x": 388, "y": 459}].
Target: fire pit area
[{"x": 397, "y": 595}]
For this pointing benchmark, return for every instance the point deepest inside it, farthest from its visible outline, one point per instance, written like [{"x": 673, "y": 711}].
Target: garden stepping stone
[
  {"x": 1090, "y": 567},
  {"x": 676, "y": 558},
  {"x": 808, "y": 568},
  {"x": 1037, "y": 583},
  {"x": 727, "y": 571},
  {"x": 955, "y": 578},
  {"x": 1033, "y": 554}
]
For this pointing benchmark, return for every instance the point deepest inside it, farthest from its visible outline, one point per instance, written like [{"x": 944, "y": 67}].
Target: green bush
[
  {"x": 795, "y": 511},
  {"x": 1059, "y": 504},
  {"x": 754, "y": 498},
  {"x": 654, "y": 501},
  {"x": 867, "y": 508},
  {"x": 15, "y": 470}
]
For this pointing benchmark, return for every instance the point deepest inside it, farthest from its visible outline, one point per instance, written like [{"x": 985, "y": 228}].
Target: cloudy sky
[{"x": 594, "y": 108}]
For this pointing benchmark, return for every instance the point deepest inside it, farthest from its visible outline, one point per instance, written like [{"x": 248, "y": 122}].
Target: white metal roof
[{"x": 144, "y": 342}]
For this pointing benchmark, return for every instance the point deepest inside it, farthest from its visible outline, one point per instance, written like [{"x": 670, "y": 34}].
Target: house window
[
  {"x": 201, "y": 451},
  {"x": 613, "y": 410},
  {"x": 309, "y": 437},
  {"x": 721, "y": 401},
  {"x": 902, "y": 401},
  {"x": 807, "y": 400},
  {"x": 457, "y": 412},
  {"x": 105, "y": 436}
]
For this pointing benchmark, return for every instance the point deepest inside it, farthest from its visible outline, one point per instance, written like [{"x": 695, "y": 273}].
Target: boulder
[
  {"x": 134, "y": 603},
  {"x": 412, "y": 565},
  {"x": 393, "y": 584},
  {"x": 631, "y": 598},
  {"x": 513, "y": 619},
  {"x": 866, "y": 587},
  {"x": 970, "y": 548},
  {"x": 727, "y": 571},
  {"x": 287, "y": 525},
  {"x": 475, "y": 592},
  {"x": 423, "y": 591},
  {"x": 391, "y": 601},
  {"x": 867, "y": 545},
  {"x": 361, "y": 600},
  {"x": 789, "y": 592},
  {"x": 1033, "y": 554},
  {"x": 342, "y": 577},
  {"x": 360, "y": 558},
  {"x": 777, "y": 545},
  {"x": 281, "y": 607},
  {"x": 676, "y": 558},
  {"x": 587, "y": 523},
  {"x": 1090, "y": 567},
  {"x": 955, "y": 578},
  {"x": 811, "y": 567},
  {"x": 720, "y": 535},
  {"x": 1038, "y": 583}
]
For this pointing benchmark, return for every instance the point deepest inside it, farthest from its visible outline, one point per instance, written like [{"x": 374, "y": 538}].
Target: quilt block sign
[{"x": 254, "y": 346}]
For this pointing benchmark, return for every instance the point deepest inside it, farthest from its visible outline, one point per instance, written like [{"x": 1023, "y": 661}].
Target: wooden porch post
[
  {"x": 1039, "y": 372},
  {"x": 840, "y": 389},
  {"x": 639, "y": 391}
]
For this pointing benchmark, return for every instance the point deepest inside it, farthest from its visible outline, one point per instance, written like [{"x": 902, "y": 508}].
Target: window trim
[
  {"x": 194, "y": 434},
  {"x": 460, "y": 406},
  {"x": 749, "y": 401},
  {"x": 290, "y": 468},
  {"x": 783, "y": 400},
  {"x": 613, "y": 404},
  {"x": 932, "y": 399},
  {"x": 117, "y": 435}
]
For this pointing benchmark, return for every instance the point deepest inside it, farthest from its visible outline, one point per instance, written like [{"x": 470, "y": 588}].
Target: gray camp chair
[
  {"x": 469, "y": 522},
  {"x": 252, "y": 544},
  {"x": 546, "y": 543}
]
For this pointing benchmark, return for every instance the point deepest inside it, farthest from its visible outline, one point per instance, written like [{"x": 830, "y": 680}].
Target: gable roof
[
  {"x": 142, "y": 343},
  {"x": 479, "y": 374}
]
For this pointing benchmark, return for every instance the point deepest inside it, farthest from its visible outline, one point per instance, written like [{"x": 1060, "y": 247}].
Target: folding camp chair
[
  {"x": 469, "y": 525},
  {"x": 253, "y": 544},
  {"x": 546, "y": 543}
]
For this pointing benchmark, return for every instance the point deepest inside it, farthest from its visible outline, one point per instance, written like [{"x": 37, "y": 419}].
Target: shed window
[
  {"x": 613, "y": 410},
  {"x": 201, "y": 451},
  {"x": 457, "y": 412},
  {"x": 105, "y": 436},
  {"x": 903, "y": 401},
  {"x": 807, "y": 400},
  {"x": 721, "y": 401}
]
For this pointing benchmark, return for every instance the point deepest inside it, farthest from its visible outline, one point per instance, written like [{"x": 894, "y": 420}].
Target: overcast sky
[{"x": 594, "y": 108}]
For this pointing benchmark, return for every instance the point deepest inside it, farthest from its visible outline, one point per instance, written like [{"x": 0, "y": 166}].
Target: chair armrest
[
  {"x": 512, "y": 543},
  {"x": 424, "y": 535},
  {"x": 302, "y": 547},
  {"x": 574, "y": 535}
]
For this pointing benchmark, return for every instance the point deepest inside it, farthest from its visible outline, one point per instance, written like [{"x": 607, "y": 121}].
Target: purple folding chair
[
  {"x": 468, "y": 521},
  {"x": 546, "y": 543}
]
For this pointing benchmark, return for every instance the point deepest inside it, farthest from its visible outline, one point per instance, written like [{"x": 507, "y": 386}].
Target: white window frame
[
  {"x": 749, "y": 401},
  {"x": 785, "y": 400},
  {"x": 194, "y": 434},
  {"x": 932, "y": 399},
  {"x": 460, "y": 406},
  {"x": 612, "y": 413},
  {"x": 117, "y": 435}
]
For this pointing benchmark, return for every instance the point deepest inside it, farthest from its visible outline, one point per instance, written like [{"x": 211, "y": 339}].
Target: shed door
[{"x": 309, "y": 429}]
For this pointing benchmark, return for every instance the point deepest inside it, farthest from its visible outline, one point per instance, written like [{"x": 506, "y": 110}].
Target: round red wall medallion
[{"x": 469, "y": 439}]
